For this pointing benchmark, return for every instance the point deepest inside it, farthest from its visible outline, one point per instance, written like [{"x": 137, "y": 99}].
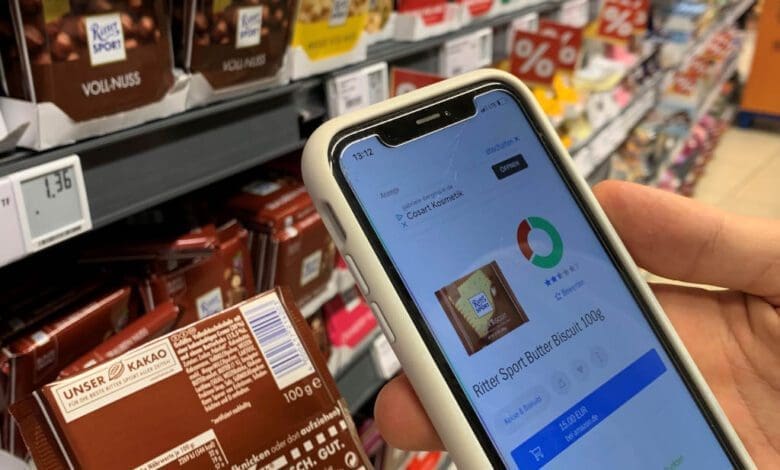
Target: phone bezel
[{"x": 372, "y": 127}]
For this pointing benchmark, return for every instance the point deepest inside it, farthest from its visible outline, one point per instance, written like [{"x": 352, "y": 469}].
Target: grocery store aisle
[{"x": 744, "y": 174}]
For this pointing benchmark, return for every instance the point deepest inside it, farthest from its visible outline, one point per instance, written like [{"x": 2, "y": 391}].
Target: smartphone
[{"x": 525, "y": 328}]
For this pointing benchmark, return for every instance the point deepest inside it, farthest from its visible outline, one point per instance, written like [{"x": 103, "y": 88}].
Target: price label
[
  {"x": 385, "y": 359},
  {"x": 11, "y": 241},
  {"x": 574, "y": 13},
  {"x": 621, "y": 19},
  {"x": 51, "y": 202},
  {"x": 569, "y": 42},
  {"x": 355, "y": 90},
  {"x": 534, "y": 57},
  {"x": 466, "y": 53}
]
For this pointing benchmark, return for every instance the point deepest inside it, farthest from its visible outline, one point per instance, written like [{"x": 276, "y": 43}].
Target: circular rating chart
[{"x": 549, "y": 260}]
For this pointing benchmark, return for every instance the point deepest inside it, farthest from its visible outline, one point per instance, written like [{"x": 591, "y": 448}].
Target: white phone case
[{"x": 408, "y": 344}]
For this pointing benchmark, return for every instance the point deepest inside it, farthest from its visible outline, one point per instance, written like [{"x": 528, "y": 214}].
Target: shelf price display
[
  {"x": 358, "y": 89},
  {"x": 51, "y": 203},
  {"x": 466, "y": 53}
]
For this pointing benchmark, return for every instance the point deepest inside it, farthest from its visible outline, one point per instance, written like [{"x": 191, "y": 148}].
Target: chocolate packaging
[
  {"x": 145, "y": 328},
  {"x": 291, "y": 246},
  {"x": 481, "y": 307},
  {"x": 244, "y": 388},
  {"x": 34, "y": 359},
  {"x": 233, "y": 42},
  {"x": 328, "y": 34},
  {"x": 91, "y": 58},
  {"x": 209, "y": 283},
  {"x": 201, "y": 272}
]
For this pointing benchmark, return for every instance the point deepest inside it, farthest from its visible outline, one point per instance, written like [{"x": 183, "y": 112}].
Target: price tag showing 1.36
[{"x": 51, "y": 202}]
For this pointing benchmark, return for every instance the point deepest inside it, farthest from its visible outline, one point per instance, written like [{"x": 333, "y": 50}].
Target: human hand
[{"x": 733, "y": 335}]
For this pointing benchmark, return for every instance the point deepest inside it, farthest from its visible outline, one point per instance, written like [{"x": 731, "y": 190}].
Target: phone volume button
[
  {"x": 380, "y": 317},
  {"x": 361, "y": 282}
]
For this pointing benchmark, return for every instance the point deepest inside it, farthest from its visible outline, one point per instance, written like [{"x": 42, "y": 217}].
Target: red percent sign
[
  {"x": 534, "y": 57},
  {"x": 569, "y": 42},
  {"x": 620, "y": 19}
]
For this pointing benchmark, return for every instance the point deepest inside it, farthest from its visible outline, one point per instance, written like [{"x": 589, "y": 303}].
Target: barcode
[{"x": 279, "y": 344}]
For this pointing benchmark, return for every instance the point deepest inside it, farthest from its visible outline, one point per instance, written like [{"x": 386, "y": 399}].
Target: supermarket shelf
[
  {"x": 705, "y": 108},
  {"x": 609, "y": 137},
  {"x": 137, "y": 168},
  {"x": 596, "y": 132},
  {"x": 131, "y": 170},
  {"x": 390, "y": 51},
  {"x": 730, "y": 17}
]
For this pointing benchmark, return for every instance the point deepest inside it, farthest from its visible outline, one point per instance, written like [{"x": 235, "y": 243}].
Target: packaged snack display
[
  {"x": 291, "y": 246},
  {"x": 208, "y": 284},
  {"x": 273, "y": 404},
  {"x": 234, "y": 45},
  {"x": 88, "y": 67},
  {"x": 202, "y": 272},
  {"x": 36, "y": 358},
  {"x": 328, "y": 34},
  {"x": 90, "y": 58}
]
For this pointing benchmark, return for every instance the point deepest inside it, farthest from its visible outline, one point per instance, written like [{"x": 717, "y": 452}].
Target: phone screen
[{"x": 555, "y": 359}]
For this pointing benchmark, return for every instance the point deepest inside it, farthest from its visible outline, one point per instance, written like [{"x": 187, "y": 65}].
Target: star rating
[{"x": 565, "y": 272}]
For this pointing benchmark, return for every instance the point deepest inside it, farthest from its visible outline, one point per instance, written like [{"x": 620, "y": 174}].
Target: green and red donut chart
[{"x": 537, "y": 223}]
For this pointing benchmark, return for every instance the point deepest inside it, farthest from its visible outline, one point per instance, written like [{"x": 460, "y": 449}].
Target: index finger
[{"x": 682, "y": 239}]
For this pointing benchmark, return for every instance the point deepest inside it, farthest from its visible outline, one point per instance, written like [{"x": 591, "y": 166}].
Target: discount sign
[
  {"x": 620, "y": 19},
  {"x": 569, "y": 42},
  {"x": 534, "y": 57}
]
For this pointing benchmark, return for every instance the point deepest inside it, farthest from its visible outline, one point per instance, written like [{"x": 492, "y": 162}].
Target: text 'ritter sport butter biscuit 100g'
[{"x": 245, "y": 388}]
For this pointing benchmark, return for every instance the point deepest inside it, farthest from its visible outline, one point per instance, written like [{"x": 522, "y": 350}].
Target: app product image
[{"x": 481, "y": 307}]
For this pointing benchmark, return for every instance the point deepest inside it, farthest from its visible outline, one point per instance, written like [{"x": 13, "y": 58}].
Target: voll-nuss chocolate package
[
  {"x": 245, "y": 388},
  {"x": 233, "y": 42},
  {"x": 91, "y": 58}
]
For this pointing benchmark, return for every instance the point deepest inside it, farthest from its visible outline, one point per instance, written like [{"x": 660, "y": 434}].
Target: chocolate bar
[
  {"x": 91, "y": 58},
  {"x": 245, "y": 388}
]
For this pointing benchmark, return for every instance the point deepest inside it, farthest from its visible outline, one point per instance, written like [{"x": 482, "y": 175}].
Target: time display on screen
[{"x": 52, "y": 201}]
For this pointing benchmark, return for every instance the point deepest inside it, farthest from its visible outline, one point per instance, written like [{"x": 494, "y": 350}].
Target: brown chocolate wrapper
[
  {"x": 35, "y": 359},
  {"x": 91, "y": 58},
  {"x": 481, "y": 307},
  {"x": 245, "y": 388},
  {"x": 291, "y": 245},
  {"x": 144, "y": 329},
  {"x": 232, "y": 42},
  {"x": 209, "y": 284}
]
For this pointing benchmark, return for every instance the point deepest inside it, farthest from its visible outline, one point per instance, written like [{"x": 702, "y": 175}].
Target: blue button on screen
[{"x": 589, "y": 412}]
